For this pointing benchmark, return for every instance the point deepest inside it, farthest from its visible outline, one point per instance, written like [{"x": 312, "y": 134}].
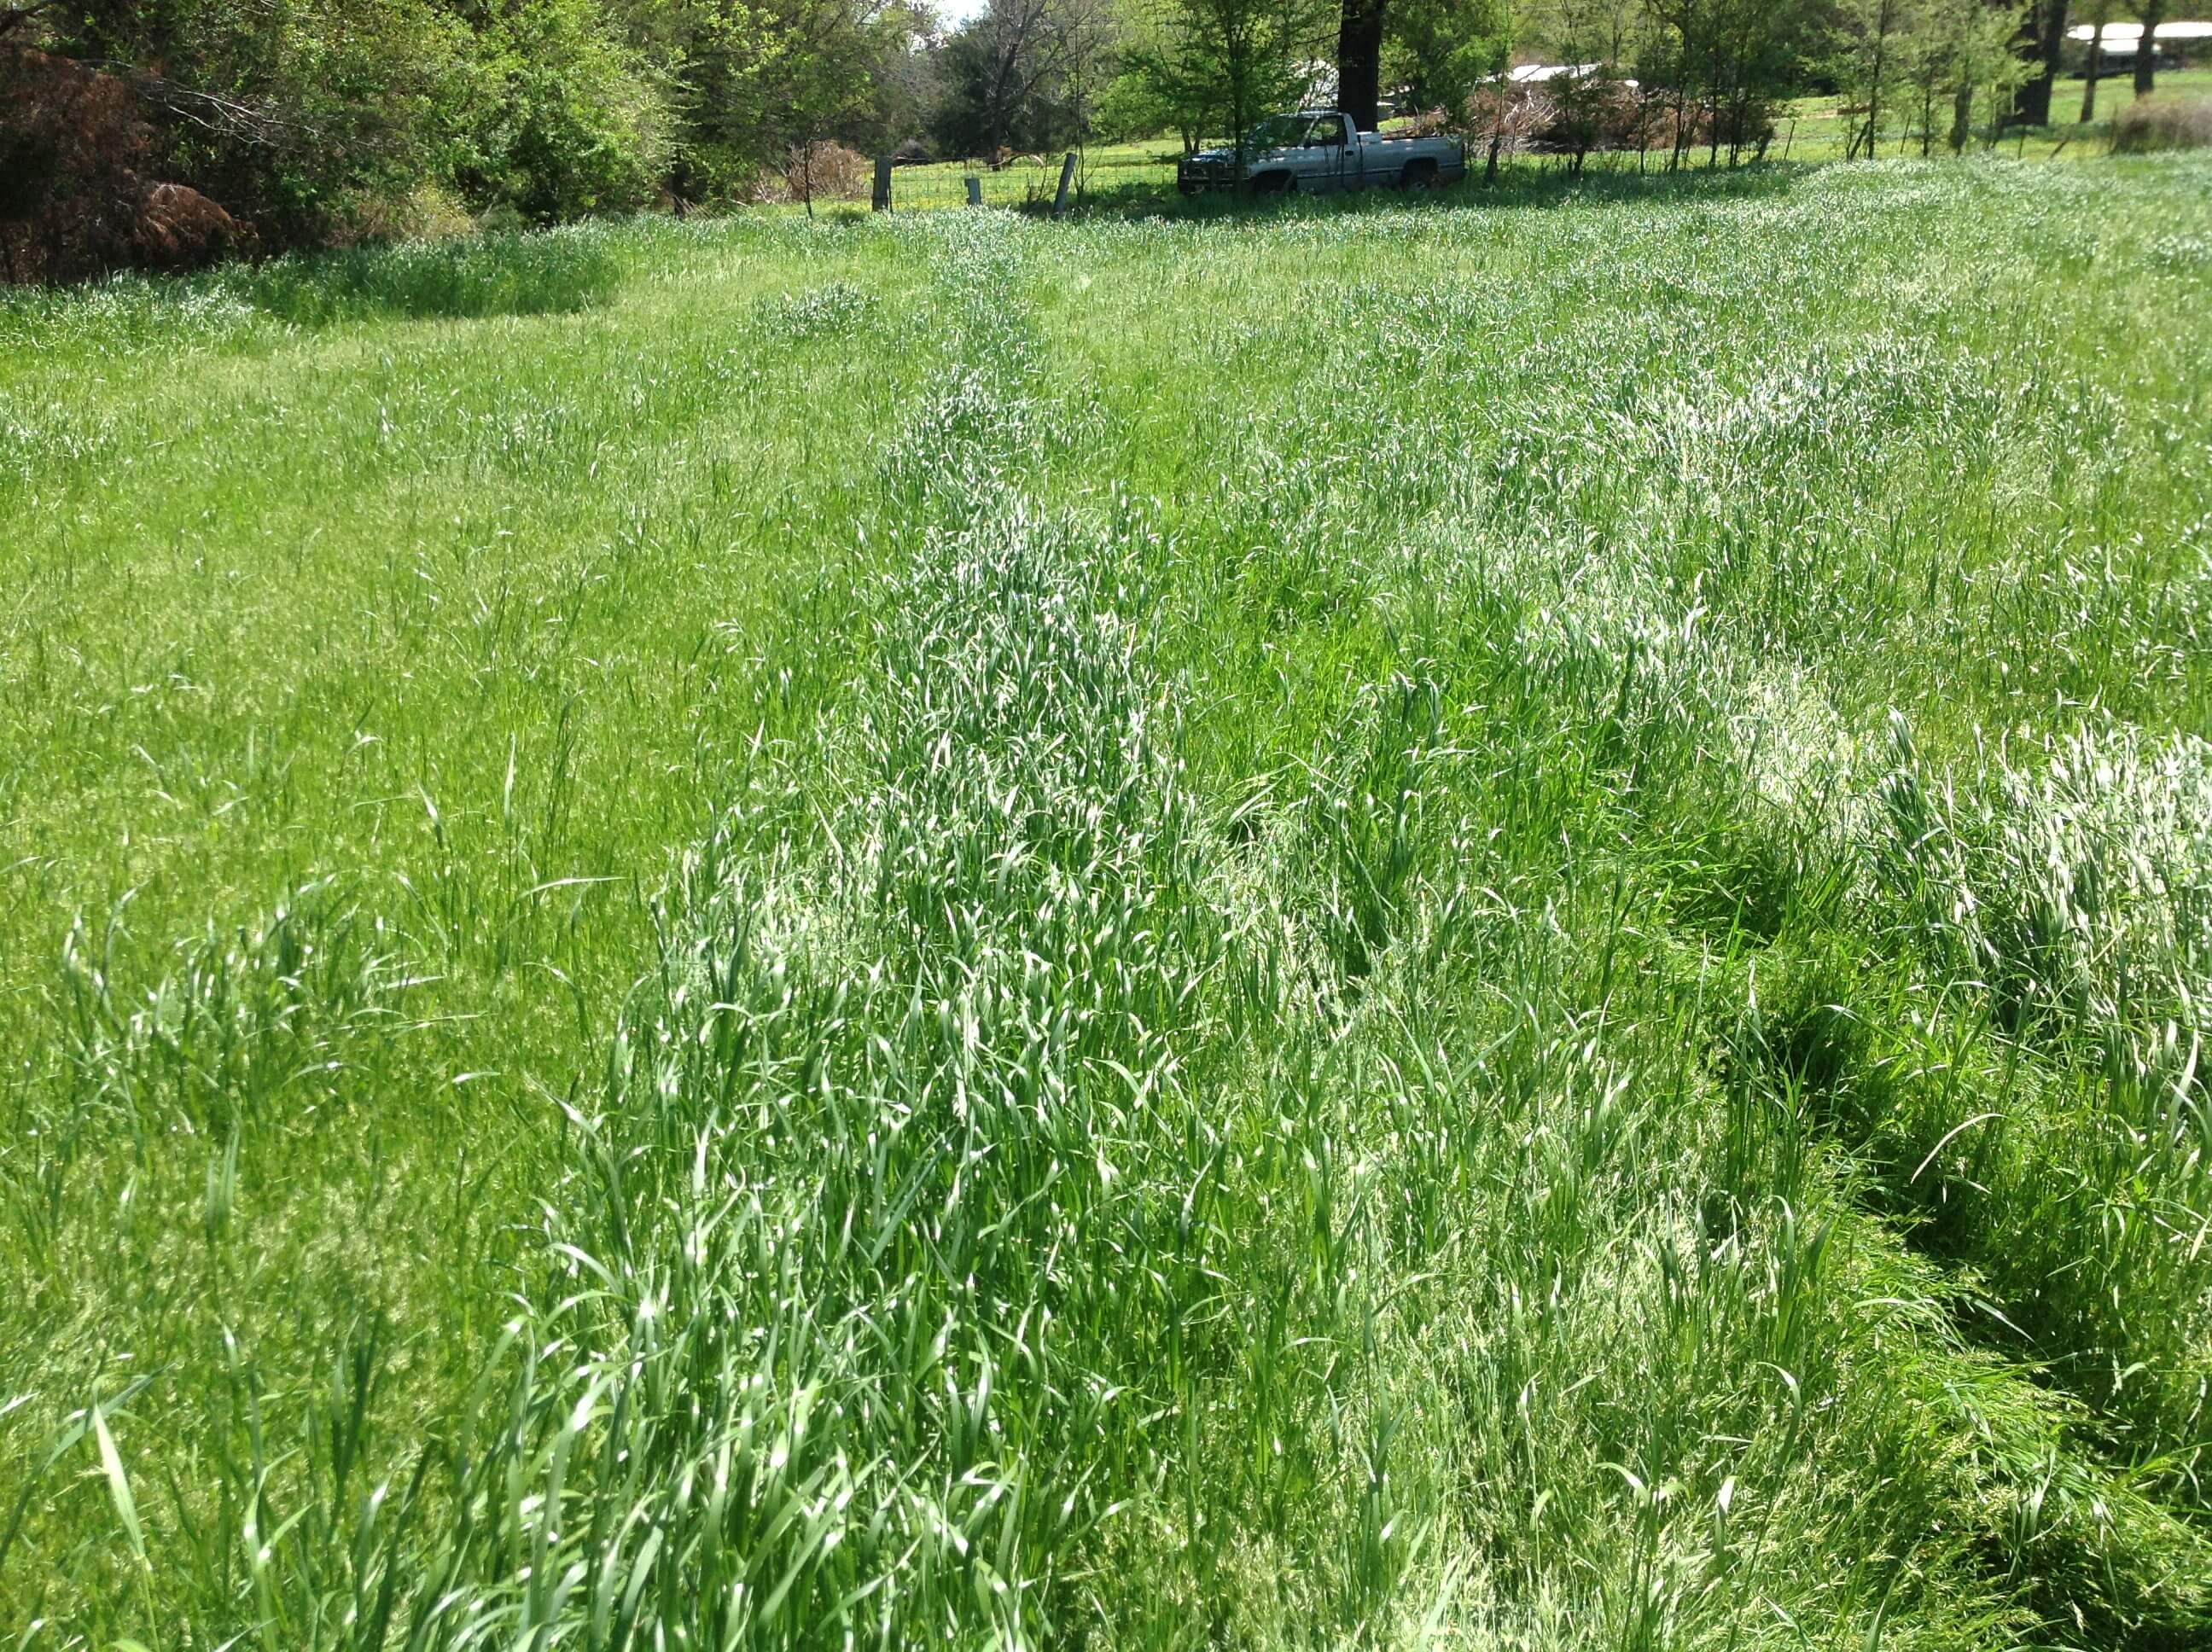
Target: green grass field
[{"x": 1481, "y": 922}]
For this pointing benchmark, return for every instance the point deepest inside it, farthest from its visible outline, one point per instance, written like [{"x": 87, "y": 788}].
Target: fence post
[
  {"x": 1066, "y": 177},
  {"x": 974, "y": 190},
  {"x": 882, "y": 202}
]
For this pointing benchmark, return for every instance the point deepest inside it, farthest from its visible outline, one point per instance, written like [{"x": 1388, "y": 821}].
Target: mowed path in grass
[{"x": 1297, "y": 927}]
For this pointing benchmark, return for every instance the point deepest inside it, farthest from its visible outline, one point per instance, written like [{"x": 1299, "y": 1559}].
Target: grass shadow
[
  {"x": 1520, "y": 186},
  {"x": 554, "y": 272}
]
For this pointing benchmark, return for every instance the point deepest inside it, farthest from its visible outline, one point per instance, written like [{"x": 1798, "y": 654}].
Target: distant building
[
  {"x": 1530, "y": 73},
  {"x": 1550, "y": 71},
  {"x": 2173, "y": 42}
]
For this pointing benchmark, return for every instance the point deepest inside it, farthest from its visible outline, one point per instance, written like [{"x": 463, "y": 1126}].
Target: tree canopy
[{"x": 315, "y": 120}]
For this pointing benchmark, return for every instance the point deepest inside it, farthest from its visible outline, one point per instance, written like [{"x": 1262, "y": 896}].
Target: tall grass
[
  {"x": 1391, "y": 927},
  {"x": 2145, "y": 127},
  {"x": 470, "y": 278}
]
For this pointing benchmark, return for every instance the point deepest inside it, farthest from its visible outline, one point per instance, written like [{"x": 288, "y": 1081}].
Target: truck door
[{"x": 1328, "y": 155}]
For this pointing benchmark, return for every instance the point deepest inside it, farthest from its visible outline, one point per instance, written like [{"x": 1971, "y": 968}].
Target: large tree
[
  {"x": 1023, "y": 74},
  {"x": 2100, "y": 14},
  {"x": 757, "y": 79},
  {"x": 1436, "y": 50},
  {"x": 1359, "y": 61},
  {"x": 2152, "y": 13},
  {"x": 1222, "y": 65},
  {"x": 1440, "y": 51},
  {"x": 2043, "y": 41}
]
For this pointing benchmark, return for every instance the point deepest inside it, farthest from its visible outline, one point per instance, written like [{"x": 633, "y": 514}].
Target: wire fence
[{"x": 1028, "y": 182}]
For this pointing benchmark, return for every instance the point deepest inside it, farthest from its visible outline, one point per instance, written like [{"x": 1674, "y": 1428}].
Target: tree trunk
[
  {"x": 2089, "y": 75},
  {"x": 2152, "y": 13},
  {"x": 1962, "y": 116},
  {"x": 2054, "y": 53},
  {"x": 1873, "y": 87},
  {"x": 1359, "y": 61},
  {"x": 2046, "y": 29}
]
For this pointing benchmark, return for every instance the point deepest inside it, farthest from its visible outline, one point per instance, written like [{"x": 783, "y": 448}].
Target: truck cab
[{"x": 1321, "y": 152}]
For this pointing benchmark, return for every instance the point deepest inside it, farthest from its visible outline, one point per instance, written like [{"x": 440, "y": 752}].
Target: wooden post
[
  {"x": 974, "y": 190},
  {"x": 1066, "y": 177},
  {"x": 882, "y": 198}
]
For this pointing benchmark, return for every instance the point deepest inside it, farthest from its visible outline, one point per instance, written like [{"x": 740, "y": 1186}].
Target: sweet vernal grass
[{"x": 1427, "y": 924}]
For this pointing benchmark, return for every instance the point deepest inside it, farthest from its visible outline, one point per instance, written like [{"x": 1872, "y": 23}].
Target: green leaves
[{"x": 118, "y": 1484}]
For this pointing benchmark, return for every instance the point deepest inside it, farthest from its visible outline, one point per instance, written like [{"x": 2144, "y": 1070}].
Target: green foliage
[
  {"x": 1027, "y": 75},
  {"x": 299, "y": 114},
  {"x": 318, "y": 119},
  {"x": 1924, "y": 61},
  {"x": 1222, "y": 65},
  {"x": 573, "y": 124},
  {"x": 755, "y": 82},
  {"x": 1440, "y": 50},
  {"x": 333, "y": 121},
  {"x": 1724, "y": 63}
]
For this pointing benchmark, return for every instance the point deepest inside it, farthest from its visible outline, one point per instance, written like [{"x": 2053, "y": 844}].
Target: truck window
[{"x": 1328, "y": 133}]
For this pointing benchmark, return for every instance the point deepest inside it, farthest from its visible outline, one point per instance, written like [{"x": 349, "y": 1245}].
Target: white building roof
[{"x": 2128, "y": 33}]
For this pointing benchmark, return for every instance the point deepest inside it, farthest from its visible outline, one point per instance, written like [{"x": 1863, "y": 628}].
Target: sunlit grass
[{"x": 1468, "y": 922}]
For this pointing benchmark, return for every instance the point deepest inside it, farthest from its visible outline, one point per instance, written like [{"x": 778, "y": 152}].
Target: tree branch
[
  {"x": 209, "y": 110},
  {"x": 13, "y": 17}
]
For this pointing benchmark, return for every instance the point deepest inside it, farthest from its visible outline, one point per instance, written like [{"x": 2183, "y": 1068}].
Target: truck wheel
[{"x": 1419, "y": 174}]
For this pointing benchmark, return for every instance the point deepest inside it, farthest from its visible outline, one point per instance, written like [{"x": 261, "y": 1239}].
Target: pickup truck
[{"x": 1320, "y": 152}]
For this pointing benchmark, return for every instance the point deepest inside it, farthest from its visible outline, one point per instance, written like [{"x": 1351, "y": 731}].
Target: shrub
[
  {"x": 825, "y": 171},
  {"x": 1590, "y": 111},
  {"x": 1581, "y": 114},
  {"x": 72, "y": 201},
  {"x": 177, "y": 228},
  {"x": 2143, "y": 128},
  {"x": 333, "y": 109},
  {"x": 66, "y": 176},
  {"x": 427, "y": 213},
  {"x": 580, "y": 125}
]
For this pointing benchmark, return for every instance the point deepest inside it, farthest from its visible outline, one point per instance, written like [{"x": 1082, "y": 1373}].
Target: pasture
[
  {"x": 1141, "y": 175},
  {"x": 1473, "y": 923}
]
